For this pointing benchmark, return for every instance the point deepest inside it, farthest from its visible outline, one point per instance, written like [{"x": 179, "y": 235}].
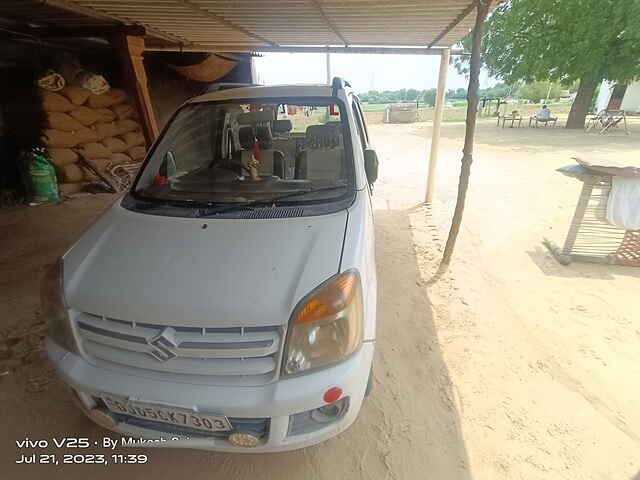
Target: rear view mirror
[{"x": 371, "y": 165}]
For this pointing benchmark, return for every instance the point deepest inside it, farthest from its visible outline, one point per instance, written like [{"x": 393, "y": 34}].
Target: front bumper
[{"x": 276, "y": 401}]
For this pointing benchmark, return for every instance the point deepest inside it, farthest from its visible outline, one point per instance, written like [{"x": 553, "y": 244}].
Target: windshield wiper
[{"x": 269, "y": 201}]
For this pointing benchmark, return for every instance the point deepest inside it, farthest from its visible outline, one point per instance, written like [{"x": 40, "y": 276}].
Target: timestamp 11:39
[{"x": 78, "y": 459}]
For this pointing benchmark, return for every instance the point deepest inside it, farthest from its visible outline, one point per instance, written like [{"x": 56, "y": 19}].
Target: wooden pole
[
  {"x": 482, "y": 8},
  {"x": 130, "y": 50},
  {"x": 328, "y": 68},
  {"x": 437, "y": 122}
]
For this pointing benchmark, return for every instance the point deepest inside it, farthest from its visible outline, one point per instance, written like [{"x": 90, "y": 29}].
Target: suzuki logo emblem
[{"x": 162, "y": 345}]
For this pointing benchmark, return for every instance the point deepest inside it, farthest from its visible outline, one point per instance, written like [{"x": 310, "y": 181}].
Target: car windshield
[{"x": 248, "y": 152}]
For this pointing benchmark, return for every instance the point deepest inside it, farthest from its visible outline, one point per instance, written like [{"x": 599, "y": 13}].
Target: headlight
[
  {"x": 54, "y": 310},
  {"x": 326, "y": 327}
]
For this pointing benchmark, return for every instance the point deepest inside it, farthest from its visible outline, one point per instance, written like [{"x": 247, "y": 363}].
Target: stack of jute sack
[{"x": 100, "y": 128}]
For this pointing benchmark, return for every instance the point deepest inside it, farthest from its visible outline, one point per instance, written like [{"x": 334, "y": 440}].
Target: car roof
[{"x": 265, "y": 92}]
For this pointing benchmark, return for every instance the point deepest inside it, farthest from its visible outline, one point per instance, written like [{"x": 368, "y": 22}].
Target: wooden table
[{"x": 511, "y": 119}]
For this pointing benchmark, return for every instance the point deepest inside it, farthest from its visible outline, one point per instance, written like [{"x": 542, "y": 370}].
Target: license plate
[{"x": 169, "y": 415}]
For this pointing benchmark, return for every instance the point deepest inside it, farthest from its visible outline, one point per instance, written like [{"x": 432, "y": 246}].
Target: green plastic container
[{"x": 39, "y": 177}]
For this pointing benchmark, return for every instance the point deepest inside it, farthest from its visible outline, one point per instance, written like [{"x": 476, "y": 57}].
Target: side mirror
[{"x": 371, "y": 165}]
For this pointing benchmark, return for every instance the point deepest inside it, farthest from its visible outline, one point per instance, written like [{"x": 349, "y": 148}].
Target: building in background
[{"x": 613, "y": 96}]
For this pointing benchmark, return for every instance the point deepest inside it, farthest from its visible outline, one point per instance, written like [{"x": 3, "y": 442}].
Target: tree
[
  {"x": 411, "y": 95},
  {"x": 482, "y": 8},
  {"x": 500, "y": 90},
  {"x": 536, "y": 91},
  {"x": 565, "y": 41},
  {"x": 429, "y": 97}
]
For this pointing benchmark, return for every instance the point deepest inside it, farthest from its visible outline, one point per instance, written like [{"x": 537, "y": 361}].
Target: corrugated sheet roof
[{"x": 247, "y": 23}]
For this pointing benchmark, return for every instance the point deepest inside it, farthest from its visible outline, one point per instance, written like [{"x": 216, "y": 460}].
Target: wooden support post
[
  {"x": 578, "y": 216},
  {"x": 437, "y": 122},
  {"x": 482, "y": 8},
  {"x": 129, "y": 50},
  {"x": 328, "y": 68}
]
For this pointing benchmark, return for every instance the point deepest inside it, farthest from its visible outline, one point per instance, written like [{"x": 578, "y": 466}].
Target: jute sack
[
  {"x": 62, "y": 156},
  {"x": 77, "y": 95},
  {"x": 51, "y": 81},
  {"x": 85, "y": 116},
  {"x": 106, "y": 115},
  {"x": 137, "y": 153},
  {"x": 54, "y": 102},
  {"x": 59, "y": 139},
  {"x": 71, "y": 173},
  {"x": 118, "y": 158},
  {"x": 115, "y": 144},
  {"x": 99, "y": 164},
  {"x": 70, "y": 188},
  {"x": 86, "y": 135},
  {"x": 133, "y": 139},
  {"x": 94, "y": 150},
  {"x": 123, "y": 111},
  {"x": 115, "y": 96},
  {"x": 127, "y": 125},
  {"x": 92, "y": 81},
  {"x": 63, "y": 121},
  {"x": 105, "y": 130}
]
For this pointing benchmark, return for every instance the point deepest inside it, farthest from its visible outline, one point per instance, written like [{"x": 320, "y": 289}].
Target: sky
[{"x": 363, "y": 71}]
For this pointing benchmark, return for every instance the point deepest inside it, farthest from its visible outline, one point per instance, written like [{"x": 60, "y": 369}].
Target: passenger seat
[{"x": 322, "y": 158}]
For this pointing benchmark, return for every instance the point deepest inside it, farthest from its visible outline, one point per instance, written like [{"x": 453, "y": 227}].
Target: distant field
[
  {"x": 458, "y": 113},
  {"x": 374, "y": 107}
]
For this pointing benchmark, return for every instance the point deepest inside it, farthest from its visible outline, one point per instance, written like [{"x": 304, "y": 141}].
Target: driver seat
[{"x": 272, "y": 160}]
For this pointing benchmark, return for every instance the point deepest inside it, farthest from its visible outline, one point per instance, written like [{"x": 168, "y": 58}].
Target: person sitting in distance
[{"x": 544, "y": 115}]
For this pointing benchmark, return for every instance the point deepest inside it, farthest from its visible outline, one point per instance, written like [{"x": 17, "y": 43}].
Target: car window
[
  {"x": 301, "y": 116},
  {"x": 359, "y": 126},
  {"x": 224, "y": 152},
  {"x": 362, "y": 122}
]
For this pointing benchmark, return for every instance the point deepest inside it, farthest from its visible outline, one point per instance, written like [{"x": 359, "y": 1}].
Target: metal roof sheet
[{"x": 243, "y": 24}]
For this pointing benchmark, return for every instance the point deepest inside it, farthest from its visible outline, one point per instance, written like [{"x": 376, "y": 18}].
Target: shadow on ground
[
  {"x": 538, "y": 141},
  {"x": 408, "y": 428},
  {"x": 550, "y": 267}
]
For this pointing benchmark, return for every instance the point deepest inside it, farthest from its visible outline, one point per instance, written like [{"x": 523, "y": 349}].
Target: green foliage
[
  {"x": 564, "y": 40},
  {"x": 429, "y": 97},
  {"x": 393, "y": 96},
  {"x": 458, "y": 94},
  {"x": 500, "y": 90},
  {"x": 536, "y": 91}
]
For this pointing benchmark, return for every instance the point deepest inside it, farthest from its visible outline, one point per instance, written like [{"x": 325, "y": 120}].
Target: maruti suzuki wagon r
[{"x": 228, "y": 300}]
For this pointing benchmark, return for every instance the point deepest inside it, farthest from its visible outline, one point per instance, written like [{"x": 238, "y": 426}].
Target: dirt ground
[{"x": 508, "y": 367}]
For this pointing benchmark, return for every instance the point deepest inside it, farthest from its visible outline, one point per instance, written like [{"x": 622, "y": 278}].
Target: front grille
[
  {"x": 229, "y": 355},
  {"x": 258, "y": 427}
]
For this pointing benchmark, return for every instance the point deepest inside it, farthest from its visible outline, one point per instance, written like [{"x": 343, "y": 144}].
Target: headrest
[
  {"x": 324, "y": 136},
  {"x": 247, "y": 137},
  {"x": 263, "y": 133},
  {"x": 251, "y": 118},
  {"x": 281, "y": 126}
]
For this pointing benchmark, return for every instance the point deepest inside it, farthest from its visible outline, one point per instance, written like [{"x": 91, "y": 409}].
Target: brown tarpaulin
[{"x": 208, "y": 70}]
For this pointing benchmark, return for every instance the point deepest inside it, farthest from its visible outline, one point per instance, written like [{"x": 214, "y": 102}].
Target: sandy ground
[{"x": 508, "y": 367}]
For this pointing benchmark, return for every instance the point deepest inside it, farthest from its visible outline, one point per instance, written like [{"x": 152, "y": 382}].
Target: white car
[{"x": 228, "y": 300}]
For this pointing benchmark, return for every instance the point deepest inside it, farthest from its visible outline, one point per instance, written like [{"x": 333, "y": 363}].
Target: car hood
[{"x": 200, "y": 272}]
